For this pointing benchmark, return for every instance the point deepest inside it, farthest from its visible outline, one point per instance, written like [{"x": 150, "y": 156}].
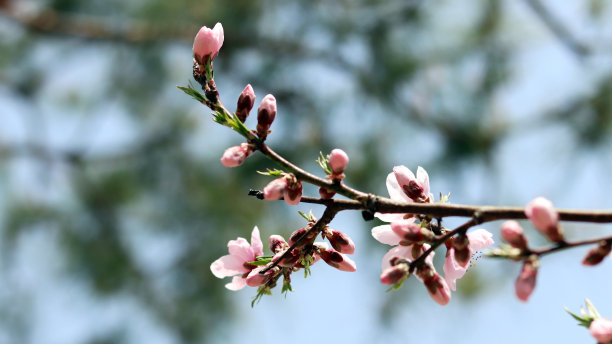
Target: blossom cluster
[
  {"x": 414, "y": 237},
  {"x": 247, "y": 265},
  {"x": 410, "y": 236}
]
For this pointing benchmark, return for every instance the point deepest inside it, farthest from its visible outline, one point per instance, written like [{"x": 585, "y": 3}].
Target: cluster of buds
[
  {"x": 545, "y": 219},
  {"x": 248, "y": 266},
  {"x": 287, "y": 187},
  {"x": 410, "y": 236},
  {"x": 334, "y": 165}
]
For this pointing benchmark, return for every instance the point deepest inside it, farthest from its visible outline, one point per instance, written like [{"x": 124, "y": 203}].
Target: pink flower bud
[
  {"x": 545, "y": 218},
  {"x": 394, "y": 274},
  {"x": 265, "y": 115},
  {"x": 326, "y": 194},
  {"x": 461, "y": 251},
  {"x": 277, "y": 243},
  {"x": 338, "y": 160},
  {"x": 601, "y": 330},
  {"x": 289, "y": 259},
  {"x": 337, "y": 260},
  {"x": 207, "y": 43},
  {"x": 340, "y": 241},
  {"x": 296, "y": 235},
  {"x": 410, "y": 232},
  {"x": 235, "y": 156},
  {"x": 275, "y": 189},
  {"x": 293, "y": 192},
  {"x": 246, "y": 100},
  {"x": 597, "y": 255},
  {"x": 416, "y": 188},
  {"x": 512, "y": 233},
  {"x": 526, "y": 281},
  {"x": 255, "y": 279},
  {"x": 438, "y": 289}
]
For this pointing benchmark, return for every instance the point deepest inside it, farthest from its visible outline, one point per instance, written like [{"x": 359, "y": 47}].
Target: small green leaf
[
  {"x": 273, "y": 173},
  {"x": 309, "y": 217},
  {"x": 592, "y": 310},
  {"x": 324, "y": 163},
  {"x": 192, "y": 92},
  {"x": 260, "y": 262}
]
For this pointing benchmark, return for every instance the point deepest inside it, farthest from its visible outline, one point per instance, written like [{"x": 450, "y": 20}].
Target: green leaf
[
  {"x": 592, "y": 310},
  {"x": 192, "y": 92},
  {"x": 260, "y": 262},
  {"x": 273, "y": 173},
  {"x": 324, "y": 163},
  {"x": 309, "y": 217}
]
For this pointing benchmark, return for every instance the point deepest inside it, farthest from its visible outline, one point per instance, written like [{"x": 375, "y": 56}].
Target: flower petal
[
  {"x": 452, "y": 270},
  {"x": 256, "y": 244},
  {"x": 237, "y": 283},
  {"x": 228, "y": 265},
  {"x": 395, "y": 190},
  {"x": 385, "y": 235},
  {"x": 241, "y": 249},
  {"x": 480, "y": 239},
  {"x": 399, "y": 251},
  {"x": 423, "y": 179},
  {"x": 390, "y": 217}
]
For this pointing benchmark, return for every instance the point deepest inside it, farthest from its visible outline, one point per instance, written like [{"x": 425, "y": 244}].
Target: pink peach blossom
[
  {"x": 396, "y": 180},
  {"x": 601, "y": 330},
  {"x": 235, "y": 263},
  {"x": 479, "y": 239},
  {"x": 208, "y": 42}
]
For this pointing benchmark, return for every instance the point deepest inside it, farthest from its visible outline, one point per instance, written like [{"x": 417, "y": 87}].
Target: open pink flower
[
  {"x": 236, "y": 262},
  {"x": 208, "y": 42},
  {"x": 479, "y": 239},
  {"x": 402, "y": 182}
]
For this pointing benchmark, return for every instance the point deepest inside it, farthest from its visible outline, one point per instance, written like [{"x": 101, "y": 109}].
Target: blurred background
[{"x": 113, "y": 202}]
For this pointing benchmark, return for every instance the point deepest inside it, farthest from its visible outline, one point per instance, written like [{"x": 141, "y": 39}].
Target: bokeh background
[{"x": 113, "y": 202}]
